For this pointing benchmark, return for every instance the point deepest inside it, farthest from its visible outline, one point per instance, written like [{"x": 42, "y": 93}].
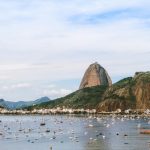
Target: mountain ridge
[{"x": 21, "y": 104}]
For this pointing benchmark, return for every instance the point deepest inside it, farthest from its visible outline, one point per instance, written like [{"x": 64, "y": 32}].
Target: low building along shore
[{"x": 59, "y": 110}]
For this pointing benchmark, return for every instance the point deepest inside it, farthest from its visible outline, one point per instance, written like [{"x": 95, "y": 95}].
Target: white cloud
[
  {"x": 5, "y": 87},
  {"x": 5, "y": 67},
  {"x": 46, "y": 45},
  {"x": 51, "y": 86},
  {"x": 21, "y": 85},
  {"x": 55, "y": 93},
  {"x": 16, "y": 86}
]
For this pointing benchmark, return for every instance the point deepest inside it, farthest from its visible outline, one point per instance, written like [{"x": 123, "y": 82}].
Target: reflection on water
[{"x": 73, "y": 133}]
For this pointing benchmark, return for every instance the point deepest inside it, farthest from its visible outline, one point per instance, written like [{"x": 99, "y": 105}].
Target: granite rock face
[
  {"x": 141, "y": 90},
  {"x": 129, "y": 93},
  {"x": 95, "y": 75}
]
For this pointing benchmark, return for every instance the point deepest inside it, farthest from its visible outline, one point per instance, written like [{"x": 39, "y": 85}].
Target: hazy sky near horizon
[{"x": 46, "y": 45}]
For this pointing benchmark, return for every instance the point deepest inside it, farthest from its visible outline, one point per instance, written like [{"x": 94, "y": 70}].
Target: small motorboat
[{"x": 42, "y": 124}]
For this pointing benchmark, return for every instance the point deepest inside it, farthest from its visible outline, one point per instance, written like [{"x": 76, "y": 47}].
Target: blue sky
[{"x": 46, "y": 45}]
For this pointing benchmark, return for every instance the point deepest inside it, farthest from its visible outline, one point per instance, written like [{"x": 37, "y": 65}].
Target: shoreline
[
  {"x": 78, "y": 114},
  {"x": 66, "y": 111}
]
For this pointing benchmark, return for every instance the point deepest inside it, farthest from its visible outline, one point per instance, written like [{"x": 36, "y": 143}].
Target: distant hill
[
  {"x": 2, "y": 103},
  {"x": 1, "y": 107},
  {"x": 21, "y": 104},
  {"x": 131, "y": 92}
]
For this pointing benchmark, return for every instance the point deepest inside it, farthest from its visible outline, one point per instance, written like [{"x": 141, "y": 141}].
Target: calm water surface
[{"x": 73, "y": 133}]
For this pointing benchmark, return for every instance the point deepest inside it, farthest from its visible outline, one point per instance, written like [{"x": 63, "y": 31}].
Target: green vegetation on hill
[
  {"x": 119, "y": 90},
  {"x": 123, "y": 82},
  {"x": 119, "y": 95},
  {"x": 85, "y": 98},
  {"x": 142, "y": 76}
]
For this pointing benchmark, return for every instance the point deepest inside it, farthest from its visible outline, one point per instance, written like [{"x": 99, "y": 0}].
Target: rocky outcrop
[
  {"x": 118, "y": 96},
  {"x": 141, "y": 90},
  {"x": 129, "y": 93},
  {"x": 95, "y": 75}
]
